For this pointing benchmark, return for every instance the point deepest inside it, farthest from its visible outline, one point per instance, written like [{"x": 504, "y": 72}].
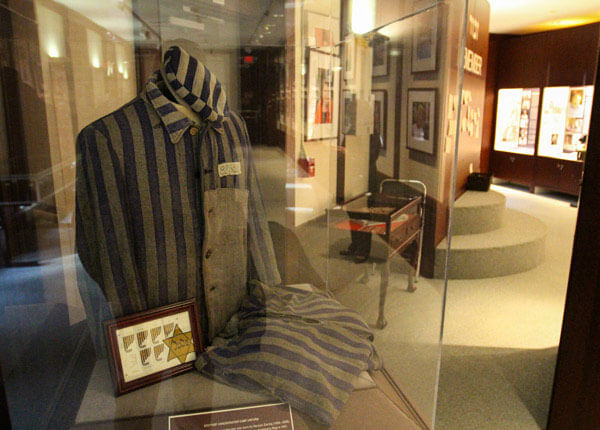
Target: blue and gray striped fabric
[
  {"x": 195, "y": 84},
  {"x": 303, "y": 347},
  {"x": 144, "y": 173}
]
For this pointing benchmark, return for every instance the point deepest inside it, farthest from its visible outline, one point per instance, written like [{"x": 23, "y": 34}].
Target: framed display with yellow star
[{"x": 153, "y": 345}]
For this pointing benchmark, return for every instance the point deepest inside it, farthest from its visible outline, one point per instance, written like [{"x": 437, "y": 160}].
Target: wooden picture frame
[
  {"x": 147, "y": 347},
  {"x": 322, "y": 32},
  {"x": 381, "y": 56},
  {"x": 424, "y": 41},
  {"x": 421, "y": 129},
  {"x": 380, "y": 108},
  {"x": 323, "y": 95}
]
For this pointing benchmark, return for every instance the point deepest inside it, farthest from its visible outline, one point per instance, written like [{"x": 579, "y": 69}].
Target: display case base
[{"x": 369, "y": 406}]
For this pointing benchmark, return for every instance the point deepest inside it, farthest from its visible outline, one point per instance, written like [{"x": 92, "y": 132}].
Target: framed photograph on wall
[
  {"x": 421, "y": 120},
  {"x": 349, "y": 52},
  {"x": 425, "y": 41},
  {"x": 322, "y": 100},
  {"x": 153, "y": 345},
  {"x": 381, "y": 56},
  {"x": 349, "y": 121},
  {"x": 322, "y": 32},
  {"x": 380, "y": 115}
]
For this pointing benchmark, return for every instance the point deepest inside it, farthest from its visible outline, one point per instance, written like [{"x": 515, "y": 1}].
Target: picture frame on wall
[
  {"x": 381, "y": 56},
  {"x": 421, "y": 120},
  {"x": 349, "y": 53},
  {"x": 350, "y": 108},
  {"x": 380, "y": 115},
  {"x": 322, "y": 100},
  {"x": 424, "y": 40},
  {"x": 147, "y": 347},
  {"x": 322, "y": 32}
]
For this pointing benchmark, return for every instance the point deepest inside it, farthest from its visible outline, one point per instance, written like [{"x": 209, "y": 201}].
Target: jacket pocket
[{"x": 225, "y": 254}]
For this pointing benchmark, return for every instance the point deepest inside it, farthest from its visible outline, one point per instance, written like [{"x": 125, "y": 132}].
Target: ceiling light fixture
[{"x": 363, "y": 16}]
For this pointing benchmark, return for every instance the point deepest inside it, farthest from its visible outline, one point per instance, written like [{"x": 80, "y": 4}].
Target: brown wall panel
[
  {"x": 489, "y": 106},
  {"x": 548, "y": 172},
  {"x": 516, "y": 167},
  {"x": 469, "y": 149},
  {"x": 522, "y": 61},
  {"x": 551, "y": 58},
  {"x": 571, "y": 55}
]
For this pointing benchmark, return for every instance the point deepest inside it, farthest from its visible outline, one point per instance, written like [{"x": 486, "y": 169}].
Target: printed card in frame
[
  {"x": 263, "y": 416},
  {"x": 421, "y": 120},
  {"x": 322, "y": 101},
  {"x": 153, "y": 345}
]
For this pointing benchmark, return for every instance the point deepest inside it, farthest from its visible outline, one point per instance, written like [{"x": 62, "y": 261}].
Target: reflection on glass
[{"x": 328, "y": 122}]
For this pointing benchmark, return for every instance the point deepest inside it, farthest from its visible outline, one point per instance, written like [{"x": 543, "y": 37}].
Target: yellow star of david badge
[{"x": 180, "y": 345}]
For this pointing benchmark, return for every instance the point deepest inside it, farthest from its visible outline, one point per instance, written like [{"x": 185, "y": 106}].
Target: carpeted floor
[
  {"x": 501, "y": 334},
  {"x": 494, "y": 388}
]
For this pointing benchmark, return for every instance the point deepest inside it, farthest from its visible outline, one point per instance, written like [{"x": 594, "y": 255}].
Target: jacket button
[
  {"x": 211, "y": 210},
  {"x": 208, "y": 253},
  {"x": 213, "y": 288},
  {"x": 193, "y": 131}
]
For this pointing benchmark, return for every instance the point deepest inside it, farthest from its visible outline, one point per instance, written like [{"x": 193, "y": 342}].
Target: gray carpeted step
[
  {"x": 516, "y": 247},
  {"x": 478, "y": 212}
]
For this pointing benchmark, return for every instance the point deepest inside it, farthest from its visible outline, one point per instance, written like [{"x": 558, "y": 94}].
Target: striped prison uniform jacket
[{"x": 169, "y": 209}]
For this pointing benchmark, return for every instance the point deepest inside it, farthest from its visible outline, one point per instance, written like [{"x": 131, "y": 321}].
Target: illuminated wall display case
[
  {"x": 516, "y": 120},
  {"x": 557, "y": 68},
  {"x": 565, "y": 121}
]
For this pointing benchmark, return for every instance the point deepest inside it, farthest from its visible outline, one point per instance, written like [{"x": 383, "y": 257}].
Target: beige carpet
[{"x": 501, "y": 334}]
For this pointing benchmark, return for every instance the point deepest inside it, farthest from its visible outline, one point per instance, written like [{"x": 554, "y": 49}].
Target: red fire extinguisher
[{"x": 306, "y": 164}]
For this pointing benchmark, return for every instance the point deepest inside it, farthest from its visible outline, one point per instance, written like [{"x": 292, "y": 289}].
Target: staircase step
[
  {"x": 478, "y": 212},
  {"x": 516, "y": 247}
]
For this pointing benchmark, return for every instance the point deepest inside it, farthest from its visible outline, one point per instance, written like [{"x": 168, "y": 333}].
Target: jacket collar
[
  {"x": 175, "y": 121},
  {"x": 195, "y": 85}
]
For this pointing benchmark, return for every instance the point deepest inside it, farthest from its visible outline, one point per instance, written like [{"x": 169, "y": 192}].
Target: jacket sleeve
[
  {"x": 260, "y": 243},
  {"x": 103, "y": 234}
]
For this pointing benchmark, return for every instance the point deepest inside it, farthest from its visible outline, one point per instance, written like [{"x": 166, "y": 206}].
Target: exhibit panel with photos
[
  {"x": 565, "y": 121},
  {"x": 516, "y": 120},
  {"x": 563, "y": 124},
  {"x": 228, "y": 212}
]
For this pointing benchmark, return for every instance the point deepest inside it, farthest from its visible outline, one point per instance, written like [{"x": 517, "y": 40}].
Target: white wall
[
  {"x": 356, "y": 174},
  {"x": 312, "y": 196}
]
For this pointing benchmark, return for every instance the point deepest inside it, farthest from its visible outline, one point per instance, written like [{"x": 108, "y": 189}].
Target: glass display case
[
  {"x": 171, "y": 177},
  {"x": 565, "y": 121},
  {"x": 516, "y": 120}
]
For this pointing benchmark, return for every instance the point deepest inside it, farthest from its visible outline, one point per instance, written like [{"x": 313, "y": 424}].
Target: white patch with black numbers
[{"x": 230, "y": 169}]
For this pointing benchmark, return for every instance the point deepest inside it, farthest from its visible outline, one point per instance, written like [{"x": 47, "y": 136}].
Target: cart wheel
[{"x": 381, "y": 323}]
